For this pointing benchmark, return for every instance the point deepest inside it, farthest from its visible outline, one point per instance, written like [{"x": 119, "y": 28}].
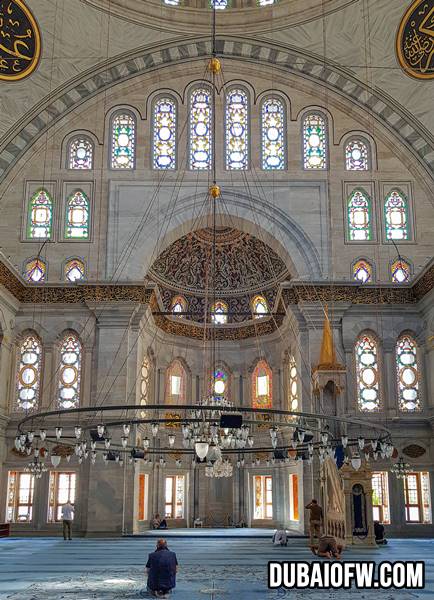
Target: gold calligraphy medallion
[
  {"x": 20, "y": 41},
  {"x": 415, "y": 40}
]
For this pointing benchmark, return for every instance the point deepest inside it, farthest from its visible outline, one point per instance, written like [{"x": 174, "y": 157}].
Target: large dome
[{"x": 244, "y": 263}]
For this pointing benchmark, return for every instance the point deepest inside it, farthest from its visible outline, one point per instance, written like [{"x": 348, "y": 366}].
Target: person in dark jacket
[
  {"x": 161, "y": 569},
  {"x": 380, "y": 537}
]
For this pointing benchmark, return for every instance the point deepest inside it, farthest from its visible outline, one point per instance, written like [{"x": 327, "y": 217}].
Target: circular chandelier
[
  {"x": 401, "y": 468},
  {"x": 214, "y": 433}
]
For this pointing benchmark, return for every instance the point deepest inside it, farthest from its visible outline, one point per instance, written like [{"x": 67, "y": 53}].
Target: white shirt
[
  {"x": 67, "y": 512},
  {"x": 280, "y": 538}
]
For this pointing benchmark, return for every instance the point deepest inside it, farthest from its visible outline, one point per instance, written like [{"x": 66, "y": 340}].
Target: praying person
[
  {"x": 161, "y": 568},
  {"x": 315, "y": 520},
  {"x": 328, "y": 547},
  {"x": 67, "y": 518},
  {"x": 280, "y": 538},
  {"x": 380, "y": 538},
  {"x": 158, "y": 523}
]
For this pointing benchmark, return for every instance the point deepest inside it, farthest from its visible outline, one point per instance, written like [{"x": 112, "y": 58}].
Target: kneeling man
[{"x": 161, "y": 568}]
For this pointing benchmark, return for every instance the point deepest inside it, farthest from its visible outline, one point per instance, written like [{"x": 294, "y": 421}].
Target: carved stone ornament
[{"x": 415, "y": 40}]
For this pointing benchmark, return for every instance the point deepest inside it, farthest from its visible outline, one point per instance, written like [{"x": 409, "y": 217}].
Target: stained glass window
[
  {"x": 200, "y": 150},
  {"x": 359, "y": 217},
  {"x": 123, "y": 141},
  {"x": 219, "y": 4},
  {"x": 29, "y": 372},
  {"x": 237, "y": 130},
  {"x": 273, "y": 134},
  {"x": 219, "y": 312},
  {"x": 400, "y": 271},
  {"x": 77, "y": 216},
  {"x": 179, "y": 305},
  {"x": 69, "y": 372},
  {"x": 262, "y": 386},
  {"x": 314, "y": 142},
  {"x": 356, "y": 155},
  {"x": 80, "y": 153},
  {"x": 259, "y": 307},
  {"x": 74, "y": 270},
  {"x": 164, "y": 133},
  {"x": 367, "y": 373},
  {"x": 35, "y": 270},
  {"x": 40, "y": 215},
  {"x": 396, "y": 216},
  {"x": 219, "y": 383},
  {"x": 293, "y": 396},
  {"x": 362, "y": 271},
  {"x": 145, "y": 376},
  {"x": 407, "y": 372},
  {"x": 176, "y": 383}
]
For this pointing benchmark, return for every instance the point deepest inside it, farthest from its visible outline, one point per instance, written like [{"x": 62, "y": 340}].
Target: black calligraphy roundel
[
  {"x": 20, "y": 40},
  {"x": 415, "y": 40}
]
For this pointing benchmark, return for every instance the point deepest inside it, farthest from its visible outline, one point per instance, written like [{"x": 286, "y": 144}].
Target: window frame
[
  {"x": 195, "y": 88},
  {"x": 117, "y": 111},
  {"x": 306, "y": 113},
  {"x": 15, "y": 504},
  {"x": 358, "y": 138},
  {"x": 417, "y": 366},
  {"x": 53, "y": 494},
  {"x": 264, "y": 479},
  {"x": 174, "y": 503},
  {"x": 385, "y": 494},
  {"x": 155, "y": 100},
  {"x": 374, "y": 337},
  {"x": 31, "y": 193},
  {"x": 227, "y": 92},
  {"x": 278, "y": 98},
  {"x": 420, "y": 499},
  {"x": 70, "y": 140},
  {"x": 371, "y": 216},
  {"x": 408, "y": 212}
]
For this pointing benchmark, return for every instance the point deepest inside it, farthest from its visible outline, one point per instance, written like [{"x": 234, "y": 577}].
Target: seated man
[
  {"x": 380, "y": 538},
  {"x": 158, "y": 523},
  {"x": 280, "y": 538},
  {"x": 328, "y": 547},
  {"x": 161, "y": 568}
]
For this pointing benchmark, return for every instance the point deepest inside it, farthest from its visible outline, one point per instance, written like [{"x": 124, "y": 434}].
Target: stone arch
[{"x": 397, "y": 120}]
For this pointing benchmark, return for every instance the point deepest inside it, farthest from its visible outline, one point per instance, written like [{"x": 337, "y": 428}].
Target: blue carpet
[{"x": 215, "y": 569}]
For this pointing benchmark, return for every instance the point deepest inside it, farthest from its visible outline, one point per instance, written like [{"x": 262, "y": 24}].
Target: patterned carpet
[{"x": 50, "y": 569}]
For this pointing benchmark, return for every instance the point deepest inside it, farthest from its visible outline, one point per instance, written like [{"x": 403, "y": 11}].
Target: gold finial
[
  {"x": 215, "y": 65},
  {"x": 215, "y": 191}
]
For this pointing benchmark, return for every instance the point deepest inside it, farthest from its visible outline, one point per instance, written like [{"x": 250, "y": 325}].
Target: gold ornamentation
[
  {"x": 215, "y": 191},
  {"x": 415, "y": 40},
  {"x": 175, "y": 420},
  {"x": 20, "y": 41},
  {"x": 215, "y": 65}
]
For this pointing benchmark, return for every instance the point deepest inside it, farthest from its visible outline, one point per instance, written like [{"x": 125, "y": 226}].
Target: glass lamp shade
[
  {"x": 126, "y": 427},
  {"x": 361, "y": 442},
  {"x": 154, "y": 429},
  {"x": 146, "y": 443},
  {"x": 201, "y": 449},
  {"x": 356, "y": 462},
  {"x": 171, "y": 438},
  {"x": 213, "y": 454},
  {"x": 55, "y": 460},
  {"x": 77, "y": 431},
  {"x": 58, "y": 432},
  {"x": 344, "y": 441},
  {"x": 30, "y": 436},
  {"x": 100, "y": 430}
]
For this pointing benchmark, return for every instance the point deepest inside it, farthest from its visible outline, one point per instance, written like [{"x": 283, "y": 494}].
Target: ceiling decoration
[
  {"x": 250, "y": 15},
  {"x": 415, "y": 40},
  {"x": 20, "y": 46},
  {"x": 244, "y": 264}
]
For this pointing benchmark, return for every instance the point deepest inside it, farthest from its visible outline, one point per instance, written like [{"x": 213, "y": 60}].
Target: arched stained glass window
[
  {"x": 314, "y": 142},
  {"x": 178, "y": 306},
  {"x": 407, "y": 372},
  {"x": 262, "y": 386},
  {"x": 35, "y": 270},
  {"x": 77, "y": 216},
  {"x": 237, "y": 130},
  {"x": 219, "y": 4},
  {"x": 362, "y": 271},
  {"x": 400, "y": 271},
  {"x": 145, "y": 376},
  {"x": 176, "y": 383},
  {"x": 123, "y": 141},
  {"x": 259, "y": 307},
  {"x": 74, "y": 270},
  {"x": 69, "y": 372},
  {"x": 359, "y": 217},
  {"x": 396, "y": 216},
  {"x": 273, "y": 134},
  {"x": 356, "y": 155},
  {"x": 164, "y": 134},
  {"x": 219, "y": 313},
  {"x": 40, "y": 215},
  {"x": 29, "y": 372},
  {"x": 367, "y": 373},
  {"x": 293, "y": 395},
  {"x": 219, "y": 384},
  {"x": 80, "y": 153},
  {"x": 200, "y": 138}
]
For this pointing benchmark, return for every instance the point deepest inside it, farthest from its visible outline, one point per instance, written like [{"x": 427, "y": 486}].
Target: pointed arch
[
  {"x": 35, "y": 270},
  {"x": 70, "y": 361},
  {"x": 176, "y": 382},
  {"x": 262, "y": 385},
  {"x": 201, "y": 117},
  {"x": 237, "y": 129},
  {"x": 366, "y": 352},
  {"x": 359, "y": 216},
  {"x": 74, "y": 270},
  {"x": 123, "y": 126},
  {"x": 77, "y": 216},
  {"x": 29, "y": 371},
  {"x": 80, "y": 153},
  {"x": 40, "y": 215},
  {"x": 396, "y": 216},
  {"x": 362, "y": 270},
  {"x": 273, "y": 134},
  {"x": 315, "y": 142},
  {"x": 407, "y": 373},
  {"x": 164, "y": 133},
  {"x": 357, "y": 154}
]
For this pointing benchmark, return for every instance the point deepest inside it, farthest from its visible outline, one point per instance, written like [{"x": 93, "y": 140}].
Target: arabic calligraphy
[
  {"x": 20, "y": 41},
  {"x": 415, "y": 40}
]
